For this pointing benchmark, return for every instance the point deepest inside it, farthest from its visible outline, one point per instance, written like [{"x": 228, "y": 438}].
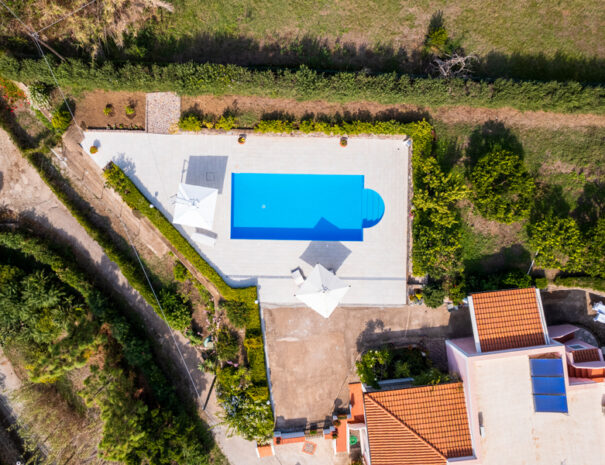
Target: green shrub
[
  {"x": 237, "y": 312},
  {"x": 247, "y": 409},
  {"x": 40, "y": 95},
  {"x": 176, "y": 309},
  {"x": 558, "y": 243},
  {"x": 108, "y": 110},
  {"x": 226, "y": 123},
  {"x": 227, "y": 344},
  {"x": 61, "y": 118},
  {"x": 129, "y": 110},
  {"x": 431, "y": 377},
  {"x": 180, "y": 272},
  {"x": 433, "y": 295},
  {"x": 503, "y": 189},
  {"x": 541, "y": 283},
  {"x": 256, "y": 359},
  {"x": 190, "y": 123}
]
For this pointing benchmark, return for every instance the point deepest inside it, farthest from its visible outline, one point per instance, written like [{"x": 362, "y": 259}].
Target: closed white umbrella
[
  {"x": 195, "y": 206},
  {"x": 322, "y": 291}
]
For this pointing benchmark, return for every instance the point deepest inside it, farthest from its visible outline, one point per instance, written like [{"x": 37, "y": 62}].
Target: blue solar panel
[
  {"x": 546, "y": 366},
  {"x": 550, "y": 403},
  {"x": 549, "y": 385}
]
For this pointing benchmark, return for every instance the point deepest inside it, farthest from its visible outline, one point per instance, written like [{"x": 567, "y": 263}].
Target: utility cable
[
  {"x": 73, "y": 117},
  {"x": 34, "y": 37},
  {"x": 65, "y": 17},
  {"x": 160, "y": 307}
]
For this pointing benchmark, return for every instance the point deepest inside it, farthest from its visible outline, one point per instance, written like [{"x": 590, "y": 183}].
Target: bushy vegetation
[
  {"x": 433, "y": 295},
  {"x": 389, "y": 363},
  {"x": 436, "y": 226},
  {"x": 304, "y": 83},
  {"x": 52, "y": 312},
  {"x": 503, "y": 189},
  {"x": 246, "y": 412},
  {"x": 61, "y": 118},
  {"x": 196, "y": 122},
  {"x": 238, "y": 312},
  {"x": 116, "y": 179}
]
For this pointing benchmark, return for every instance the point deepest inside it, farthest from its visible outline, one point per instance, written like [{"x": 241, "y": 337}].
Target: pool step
[{"x": 372, "y": 208}]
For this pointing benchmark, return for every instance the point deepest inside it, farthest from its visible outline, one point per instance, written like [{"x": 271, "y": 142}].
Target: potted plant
[
  {"x": 343, "y": 141},
  {"x": 93, "y": 149},
  {"x": 336, "y": 423},
  {"x": 241, "y": 139}
]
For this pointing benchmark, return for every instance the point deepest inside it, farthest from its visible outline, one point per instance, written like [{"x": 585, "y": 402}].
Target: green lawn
[{"x": 346, "y": 30}]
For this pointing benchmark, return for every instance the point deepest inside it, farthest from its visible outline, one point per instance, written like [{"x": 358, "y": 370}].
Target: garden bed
[{"x": 107, "y": 110}]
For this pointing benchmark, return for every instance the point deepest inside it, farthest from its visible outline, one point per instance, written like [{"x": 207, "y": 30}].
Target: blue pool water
[{"x": 321, "y": 207}]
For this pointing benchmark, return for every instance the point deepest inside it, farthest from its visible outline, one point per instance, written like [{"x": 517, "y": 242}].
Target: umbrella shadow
[
  {"x": 330, "y": 254},
  {"x": 206, "y": 171}
]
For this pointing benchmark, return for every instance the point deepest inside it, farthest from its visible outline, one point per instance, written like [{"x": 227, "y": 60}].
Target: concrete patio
[{"x": 375, "y": 267}]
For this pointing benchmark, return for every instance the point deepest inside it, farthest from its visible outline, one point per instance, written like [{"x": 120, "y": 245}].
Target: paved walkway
[{"x": 163, "y": 111}]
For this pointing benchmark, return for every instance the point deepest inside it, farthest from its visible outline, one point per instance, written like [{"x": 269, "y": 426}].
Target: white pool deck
[{"x": 375, "y": 267}]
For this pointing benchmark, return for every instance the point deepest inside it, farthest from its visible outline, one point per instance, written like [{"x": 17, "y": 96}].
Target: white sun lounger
[{"x": 203, "y": 239}]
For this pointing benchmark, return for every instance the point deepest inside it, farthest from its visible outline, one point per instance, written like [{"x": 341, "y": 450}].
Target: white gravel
[{"x": 163, "y": 110}]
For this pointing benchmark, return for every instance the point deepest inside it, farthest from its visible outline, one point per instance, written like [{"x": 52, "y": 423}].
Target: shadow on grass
[
  {"x": 515, "y": 256},
  {"x": 492, "y": 135}
]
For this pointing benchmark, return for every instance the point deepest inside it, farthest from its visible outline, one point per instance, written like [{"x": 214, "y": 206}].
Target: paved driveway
[{"x": 312, "y": 359}]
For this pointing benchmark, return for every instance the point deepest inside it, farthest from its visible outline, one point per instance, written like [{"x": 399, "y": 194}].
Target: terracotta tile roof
[
  {"x": 508, "y": 319},
  {"x": 418, "y": 426},
  {"x": 265, "y": 451},
  {"x": 586, "y": 355}
]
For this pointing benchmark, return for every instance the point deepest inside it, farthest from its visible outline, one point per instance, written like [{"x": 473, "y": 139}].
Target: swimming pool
[{"x": 321, "y": 207}]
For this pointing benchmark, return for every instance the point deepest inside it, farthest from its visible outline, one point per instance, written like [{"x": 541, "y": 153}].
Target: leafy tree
[
  {"x": 503, "y": 189},
  {"x": 372, "y": 366},
  {"x": 558, "y": 243}
]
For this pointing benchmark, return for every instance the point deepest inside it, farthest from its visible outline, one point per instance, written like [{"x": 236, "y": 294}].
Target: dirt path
[{"x": 283, "y": 108}]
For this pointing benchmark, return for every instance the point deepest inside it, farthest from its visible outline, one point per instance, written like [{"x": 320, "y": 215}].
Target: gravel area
[{"x": 163, "y": 110}]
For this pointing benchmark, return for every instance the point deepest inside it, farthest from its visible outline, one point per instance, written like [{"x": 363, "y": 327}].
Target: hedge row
[
  {"x": 306, "y": 84},
  {"x": 420, "y": 132},
  {"x": 584, "y": 282},
  {"x": 135, "y": 199}
]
